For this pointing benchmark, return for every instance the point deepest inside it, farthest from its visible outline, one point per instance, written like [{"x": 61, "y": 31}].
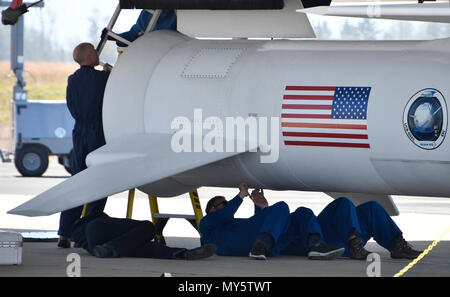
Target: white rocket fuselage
[{"x": 165, "y": 75}]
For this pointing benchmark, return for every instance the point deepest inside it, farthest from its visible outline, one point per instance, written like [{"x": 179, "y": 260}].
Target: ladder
[
  {"x": 160, "y": 219},
  {"x": 109, "y": 29}
]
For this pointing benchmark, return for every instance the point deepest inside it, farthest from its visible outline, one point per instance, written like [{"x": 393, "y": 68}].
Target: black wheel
[
  {"x": 69, "y": 168},
  {"x": 66, "y": 161},
  {"x": 31, "y": 160}
]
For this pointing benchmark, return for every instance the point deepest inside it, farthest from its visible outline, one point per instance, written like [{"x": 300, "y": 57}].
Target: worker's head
[
  {"x": 86, "y": 55},
  {"x": 215, "y": 203}
]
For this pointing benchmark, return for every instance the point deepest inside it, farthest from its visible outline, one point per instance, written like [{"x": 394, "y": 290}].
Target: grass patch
[{"x": 45, "y": 81}]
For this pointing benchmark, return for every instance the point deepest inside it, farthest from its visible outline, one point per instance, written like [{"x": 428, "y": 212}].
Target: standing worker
[{"x": 85, "y": 89}]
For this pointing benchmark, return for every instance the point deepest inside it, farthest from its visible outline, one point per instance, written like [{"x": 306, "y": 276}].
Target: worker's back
[{"x": 85, "y": 92}]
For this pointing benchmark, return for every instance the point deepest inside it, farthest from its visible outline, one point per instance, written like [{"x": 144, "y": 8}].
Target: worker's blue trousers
[
  {"x": 294, "y": 241},
  {"x": 83, "y": 144},
  {"x": 68, "y": 217},
  {"x": 127, "y": 238},
  {"x": 273, "y": 220},
  {"x": 334, "y": 225},
  {"x": 369, "y": 220}
]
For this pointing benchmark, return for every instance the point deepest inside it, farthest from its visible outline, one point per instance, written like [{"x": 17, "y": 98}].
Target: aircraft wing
[
  {"x": 128, "y": 163},
  {"x": 426, "y": 12}
]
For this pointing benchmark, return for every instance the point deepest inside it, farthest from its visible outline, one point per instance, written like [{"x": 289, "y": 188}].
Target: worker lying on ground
[
  {"x": 106, "y": 237},
  {"x": 271, "y": 231},
  {"x": 340, "y": 229}
]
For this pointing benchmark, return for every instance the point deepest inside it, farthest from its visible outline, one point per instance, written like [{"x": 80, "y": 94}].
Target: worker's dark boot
[
  {"x": 205, "y": 251},
  {"x": 356, "y": 247},
  {"x": 103, "y": 251},
  {"x": 64, "y": 243},
  {"x": 400, "y": 249},
  {"x": 322, "y": 251},
  {"x": 258, "y": 251},
  {"x": 262, "y": 245}
]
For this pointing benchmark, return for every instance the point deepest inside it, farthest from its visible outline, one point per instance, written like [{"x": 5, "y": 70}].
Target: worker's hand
[
  {"x": 104, "y": 33},
  {"x": 259, "y": 199},
  {"x": 107, "y": 67},
  {"x": 243, "y": 190}
]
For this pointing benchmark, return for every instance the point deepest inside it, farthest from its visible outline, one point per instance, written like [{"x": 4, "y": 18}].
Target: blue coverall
[
  {"x": 126, "y": 237},
  {"x": 166, "y": 21},
  {"x": 369, "y": 220},
  {"x": 85, "y": 89},
  {"x": 235, "y": 237}
]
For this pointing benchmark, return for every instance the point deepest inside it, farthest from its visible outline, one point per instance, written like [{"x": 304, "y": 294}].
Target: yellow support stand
[
  {"x": 197, "y": 207},
  {"x": 160, "y": 220},
  {"x": 130, "y": 203},
  {"x": 153, "y": 207},
  {"x": 84, "y": 211}
]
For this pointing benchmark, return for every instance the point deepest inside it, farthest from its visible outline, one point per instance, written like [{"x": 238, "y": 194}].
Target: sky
[{"x": 69, "y": 22}]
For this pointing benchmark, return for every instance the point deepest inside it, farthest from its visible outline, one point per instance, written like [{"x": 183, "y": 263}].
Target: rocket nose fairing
[{"x": 180, "y": 113}]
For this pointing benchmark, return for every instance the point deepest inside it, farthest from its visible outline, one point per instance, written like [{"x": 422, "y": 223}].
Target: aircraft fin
[
  {"x": 283, "y": 23},
  {"x": 425, "y": 12},
  {"x": 359, "y": 198},
  {"x": 126, "y": 163}
]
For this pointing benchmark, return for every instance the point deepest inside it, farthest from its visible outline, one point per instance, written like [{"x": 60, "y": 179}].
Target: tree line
[{"x": 41, "y": 47}]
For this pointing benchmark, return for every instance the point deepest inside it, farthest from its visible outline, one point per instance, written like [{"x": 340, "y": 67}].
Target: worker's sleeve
[
  {"x": 71, "y": 99},
  {"x": 105, "y": 77},
  {"x": 257, "y": 210},
  {"x": 221, "y": 216}
]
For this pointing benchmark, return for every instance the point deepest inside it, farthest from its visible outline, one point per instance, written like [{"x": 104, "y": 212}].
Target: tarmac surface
[
  {"x": 46, "y": 260},
  {"x": 421, "y": 219}
]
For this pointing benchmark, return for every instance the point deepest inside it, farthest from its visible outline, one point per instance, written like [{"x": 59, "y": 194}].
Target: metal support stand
[
  {"x": 17, "y": 62},
  {"x": 160, "y": 219}
]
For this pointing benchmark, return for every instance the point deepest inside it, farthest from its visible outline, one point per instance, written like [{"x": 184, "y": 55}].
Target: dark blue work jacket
[
  {"x": 232, "y": 236},
  {"x": 85, "y": 90}
]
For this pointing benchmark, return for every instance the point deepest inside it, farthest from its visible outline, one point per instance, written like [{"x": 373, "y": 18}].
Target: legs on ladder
[{"x": 130, "y": 203}]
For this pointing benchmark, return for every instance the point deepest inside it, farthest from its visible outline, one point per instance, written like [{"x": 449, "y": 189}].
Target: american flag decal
[{"x": 325, "y": 116}]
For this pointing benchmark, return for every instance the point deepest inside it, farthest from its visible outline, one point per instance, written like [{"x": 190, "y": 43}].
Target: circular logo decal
[
  {"x": 60, "y": 132},
  {"x": 425, "y": 119}
]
